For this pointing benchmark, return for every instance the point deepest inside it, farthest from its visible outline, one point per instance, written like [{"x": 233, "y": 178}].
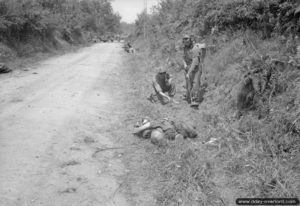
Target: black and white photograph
[{"x": 149, "y": 102}]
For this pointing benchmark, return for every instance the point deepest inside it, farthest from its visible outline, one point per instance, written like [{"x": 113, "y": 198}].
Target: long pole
[{"x": 145, "y": 18}]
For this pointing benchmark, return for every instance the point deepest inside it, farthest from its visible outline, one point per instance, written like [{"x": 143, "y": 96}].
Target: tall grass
[{"x": 256, "y": 155}]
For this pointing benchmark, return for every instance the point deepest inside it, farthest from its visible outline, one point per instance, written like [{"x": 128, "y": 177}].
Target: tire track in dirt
[{"x": 55, "y": 142}]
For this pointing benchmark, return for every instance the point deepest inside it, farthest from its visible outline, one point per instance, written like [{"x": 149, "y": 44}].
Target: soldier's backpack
[{"x": 200, "y": 50}]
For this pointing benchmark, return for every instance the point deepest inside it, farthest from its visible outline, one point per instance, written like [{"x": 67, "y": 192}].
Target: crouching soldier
[{"x": 164, "y": 88}]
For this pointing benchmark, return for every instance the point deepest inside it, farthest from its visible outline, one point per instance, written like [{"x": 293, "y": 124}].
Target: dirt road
[{"x": 57, "y": 120}]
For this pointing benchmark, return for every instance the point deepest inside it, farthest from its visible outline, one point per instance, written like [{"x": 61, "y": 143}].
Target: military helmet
[
  {"x": 157, "y": 135},
  {"x": 186, "y": 36}
]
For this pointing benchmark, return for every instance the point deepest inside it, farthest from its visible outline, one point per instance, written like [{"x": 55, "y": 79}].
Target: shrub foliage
[
  {"x": 20, "y": 20},
  {"x": 200, "y": 16}
]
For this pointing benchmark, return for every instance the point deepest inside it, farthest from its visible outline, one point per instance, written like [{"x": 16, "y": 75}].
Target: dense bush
[
  {"x": 203, "y": 17},
  {"x": 270, "y": 16},
  {"x": 22, "y": 20}
]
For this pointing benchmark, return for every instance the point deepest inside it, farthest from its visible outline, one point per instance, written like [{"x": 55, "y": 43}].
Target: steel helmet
[
  {"x": 186, "y": 37},
  {"x": 157, "y": 136}
]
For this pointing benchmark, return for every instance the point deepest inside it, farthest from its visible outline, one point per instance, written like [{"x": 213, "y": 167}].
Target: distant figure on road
[
  {"x": 162, "y": 84},
  {"x": 128, "y": 48},
  {"x": 193, "y": 59}
]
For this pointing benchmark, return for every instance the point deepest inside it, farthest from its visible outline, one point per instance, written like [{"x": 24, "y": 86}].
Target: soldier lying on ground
[
  {"x": 162, "y": 84},
  {"x": 164, "y": 129}
]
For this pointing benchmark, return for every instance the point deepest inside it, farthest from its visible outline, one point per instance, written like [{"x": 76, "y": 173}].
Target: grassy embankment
[{"x": 255, "y": 150}]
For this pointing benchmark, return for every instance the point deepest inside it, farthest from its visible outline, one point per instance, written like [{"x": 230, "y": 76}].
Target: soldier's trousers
[{"x": 193, "y": 85}]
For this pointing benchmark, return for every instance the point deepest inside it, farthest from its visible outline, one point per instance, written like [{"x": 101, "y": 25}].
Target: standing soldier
[{"x": 193, "y": 59}]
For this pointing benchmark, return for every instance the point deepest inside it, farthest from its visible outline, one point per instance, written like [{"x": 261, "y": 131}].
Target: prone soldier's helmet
[{"x": 157, "y": 136}]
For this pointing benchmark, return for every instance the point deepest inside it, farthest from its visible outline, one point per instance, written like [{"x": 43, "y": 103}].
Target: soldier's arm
[
  {"x": 202, "y": 57},
  {"x": 184, "y": 64},
  {"x": 159, "y": 90},
  {"x": 172, "y": 93},
  {"x": 142, "y": 128},
  {"x": 156, "y": 85}
]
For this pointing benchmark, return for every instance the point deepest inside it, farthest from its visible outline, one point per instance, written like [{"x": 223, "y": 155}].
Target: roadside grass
[{"x": 254, "y": 156}]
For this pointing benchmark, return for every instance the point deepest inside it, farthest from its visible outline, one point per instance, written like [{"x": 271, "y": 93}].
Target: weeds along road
[{"x": 56, "y": 119}]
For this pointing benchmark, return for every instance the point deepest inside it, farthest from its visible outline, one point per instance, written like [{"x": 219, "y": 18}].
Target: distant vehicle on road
[
  {"x": 95, "y": 40},
  {"x": 103, "y": 39},
  {"x": 111, "y": 39},
  {"x": 128, "y": 47}
]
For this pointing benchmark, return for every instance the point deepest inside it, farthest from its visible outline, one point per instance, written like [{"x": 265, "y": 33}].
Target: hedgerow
[
  {"x": 199, "y": 17},
  {"x": 21, "y": 21}
]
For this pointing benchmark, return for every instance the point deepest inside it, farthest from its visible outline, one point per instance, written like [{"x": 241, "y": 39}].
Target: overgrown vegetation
[
  {"x": 249, "y": 121},
  {"x": 29, "y": 26}
]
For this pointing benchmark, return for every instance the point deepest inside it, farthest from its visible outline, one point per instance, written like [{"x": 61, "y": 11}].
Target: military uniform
[
  {"x": 194, "y": 58},
  {"x": 168, "y": 127},
  {"x": 159, "y": 85}
]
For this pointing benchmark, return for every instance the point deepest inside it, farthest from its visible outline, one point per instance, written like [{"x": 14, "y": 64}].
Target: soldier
[
  {"x": 128, "y": 48},
  {"x": 193, "y": 59},
  {"x": 165, "y": 128},
  {"x": 162, "y": 84}
]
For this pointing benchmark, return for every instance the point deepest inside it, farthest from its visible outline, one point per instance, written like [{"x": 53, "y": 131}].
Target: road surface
[{"x": 56, "y": 122}]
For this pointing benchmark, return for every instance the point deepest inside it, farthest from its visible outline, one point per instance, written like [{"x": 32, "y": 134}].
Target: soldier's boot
[
  {"x": 186, "y": 98},
  {"x": 194, "y": 103}
]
